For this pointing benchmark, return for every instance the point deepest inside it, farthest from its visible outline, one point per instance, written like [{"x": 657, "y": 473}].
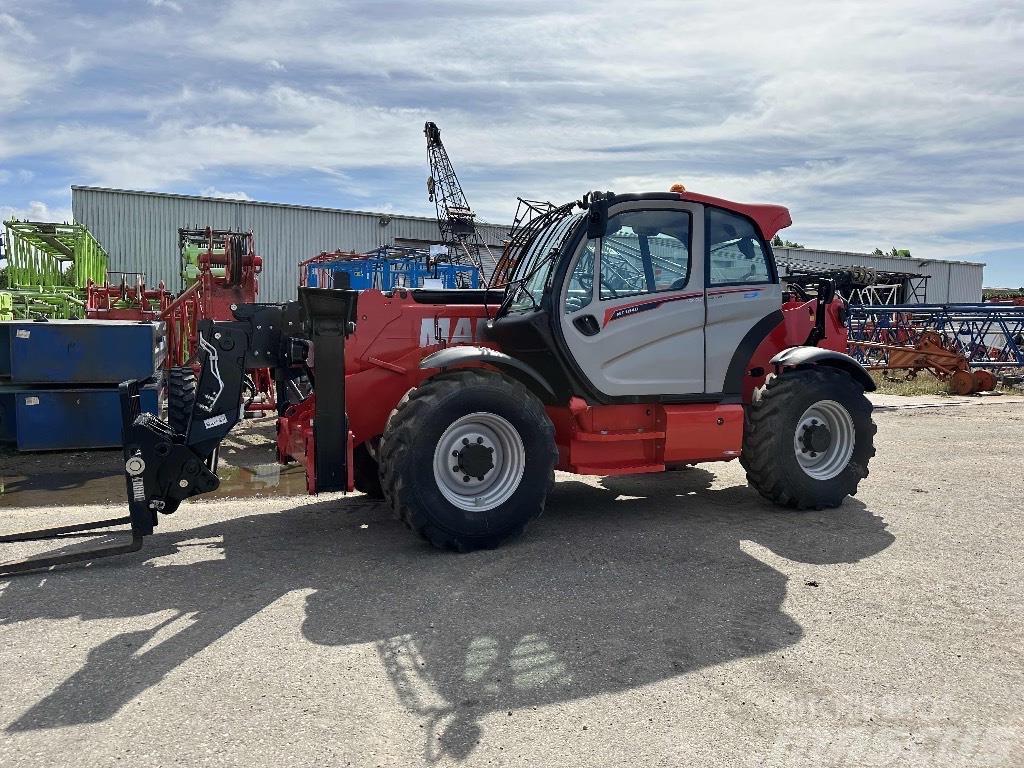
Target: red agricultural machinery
[
  {"x": 930, "y": 352},
  {"x": 219, "y": 269},
  {"x": 124, "y": 296},
  {"x": 222, "y": 267},
  {"x": 637, "y": 333}
]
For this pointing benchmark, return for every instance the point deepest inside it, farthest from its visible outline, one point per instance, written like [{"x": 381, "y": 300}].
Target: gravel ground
[{"x": 661, "y": 620}]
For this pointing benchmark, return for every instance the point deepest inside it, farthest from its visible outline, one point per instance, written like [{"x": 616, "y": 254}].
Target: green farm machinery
[{"x": 49, "y": 267}]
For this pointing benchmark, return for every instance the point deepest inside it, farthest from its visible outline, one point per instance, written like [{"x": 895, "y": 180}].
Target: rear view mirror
[
  {"x": 826, "y": 291},
  {"x": 597, "y": 219}
]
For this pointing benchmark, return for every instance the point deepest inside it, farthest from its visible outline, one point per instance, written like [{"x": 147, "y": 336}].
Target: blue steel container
[
  {"x": 80, "y": 351},
  {"x": 65, "y": 419}
]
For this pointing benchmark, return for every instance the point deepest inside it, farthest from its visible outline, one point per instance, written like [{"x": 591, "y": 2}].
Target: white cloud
[
  {"x": 170, "y": 5},
  {"x": 35, "y": 211},
  {"x": 882, "y": 124},
  {"x": 17, "y": 78},
  {"x": 11, "y": 26},
  {"x": 214, "y": 192},
  {"x": 30, "y": 69}
]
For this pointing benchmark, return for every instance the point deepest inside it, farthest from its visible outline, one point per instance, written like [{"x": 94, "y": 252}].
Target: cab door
[
  {"x": 632, "y": 306},
  {"x": 742, "y": 291}
]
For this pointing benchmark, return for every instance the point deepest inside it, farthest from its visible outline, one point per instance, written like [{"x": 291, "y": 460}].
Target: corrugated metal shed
[
  {"x": 140, "y": 232},
  {"x": 949, "y": 282}
]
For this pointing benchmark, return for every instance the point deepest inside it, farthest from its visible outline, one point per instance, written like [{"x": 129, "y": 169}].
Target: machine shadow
[{"x": 615, "y": 587}]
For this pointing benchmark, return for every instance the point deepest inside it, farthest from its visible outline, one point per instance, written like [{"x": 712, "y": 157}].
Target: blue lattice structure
[
  {"x": 386, "y": 268},
  {"x": 988, "y": 335}
]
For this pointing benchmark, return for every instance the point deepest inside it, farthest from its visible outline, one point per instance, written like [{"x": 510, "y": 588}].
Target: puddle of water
[
  {"x": 38, "y": 482},
  {"x": 260, "y": 480}
]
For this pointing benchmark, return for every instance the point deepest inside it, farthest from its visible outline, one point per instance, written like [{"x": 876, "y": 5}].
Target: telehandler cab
[{"x": 636, "y": 333}]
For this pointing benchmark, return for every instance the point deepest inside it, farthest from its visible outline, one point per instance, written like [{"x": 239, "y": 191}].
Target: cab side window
[
  {"x": 736, "y": 254},
  {"x": 645, "y": 252},
  {"x": 580, "y": 290}
]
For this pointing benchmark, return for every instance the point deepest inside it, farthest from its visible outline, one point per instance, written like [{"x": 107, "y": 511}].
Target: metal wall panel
[
  {"x": 948, "y": 281},
  {"x": 965, "y": 282},
  {"x": 140, "y": 232}
]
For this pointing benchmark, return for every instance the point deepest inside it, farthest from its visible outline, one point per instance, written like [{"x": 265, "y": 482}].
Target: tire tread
[{"x": 181, "y": 396}]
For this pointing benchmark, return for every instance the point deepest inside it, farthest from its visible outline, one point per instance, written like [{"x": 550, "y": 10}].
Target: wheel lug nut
[
  {"x": 479, "y": 441},
  {"x": 465, "y": 479},
  {"x": 465, "y": 441},
  {"x": 455, "y": 454},
  {"x": 456, "y": 470}
]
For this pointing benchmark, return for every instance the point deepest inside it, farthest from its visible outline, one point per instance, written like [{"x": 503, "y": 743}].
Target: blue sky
[{"x": 877, "y": 123}]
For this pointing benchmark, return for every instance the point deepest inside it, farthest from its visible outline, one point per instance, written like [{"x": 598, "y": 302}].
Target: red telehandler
[{"x": 636, "y": 333}]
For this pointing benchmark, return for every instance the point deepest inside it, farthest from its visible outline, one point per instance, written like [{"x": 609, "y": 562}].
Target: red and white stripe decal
[
  {"x": 626, "y": 310},
  {"x": 617, "y": 313}
]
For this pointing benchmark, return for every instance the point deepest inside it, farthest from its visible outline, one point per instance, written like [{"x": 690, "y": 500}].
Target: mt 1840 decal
[{"x": 616, "y": 313}]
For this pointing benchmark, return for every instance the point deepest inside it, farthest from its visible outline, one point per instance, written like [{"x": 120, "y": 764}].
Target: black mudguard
[
  {"x": 795, "y": 357},
  {"x": 453, "y": 357}
]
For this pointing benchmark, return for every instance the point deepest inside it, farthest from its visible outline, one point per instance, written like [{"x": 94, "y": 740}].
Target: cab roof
[{"x": 769, "y": 218}]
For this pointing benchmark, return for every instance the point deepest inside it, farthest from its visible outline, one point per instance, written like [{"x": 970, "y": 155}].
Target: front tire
[
  {"x": 809, "y": 437},
  {"x": 467, "y": 459}
]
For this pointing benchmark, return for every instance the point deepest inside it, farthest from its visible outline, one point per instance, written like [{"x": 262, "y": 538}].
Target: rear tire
[
  {"x": 467, "y": 459},
  {"x": 809, "y": 437},
  {"x": 181, "y": 396}
]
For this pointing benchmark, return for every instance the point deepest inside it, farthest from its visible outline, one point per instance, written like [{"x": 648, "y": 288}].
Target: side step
[{"x": 617, "y": 452}]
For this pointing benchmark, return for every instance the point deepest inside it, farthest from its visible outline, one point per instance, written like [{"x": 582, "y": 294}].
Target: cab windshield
[{"x": 534, "y": 269}]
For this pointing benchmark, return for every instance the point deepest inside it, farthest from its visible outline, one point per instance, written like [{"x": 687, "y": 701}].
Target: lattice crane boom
[{"x": 455, "y": 218}]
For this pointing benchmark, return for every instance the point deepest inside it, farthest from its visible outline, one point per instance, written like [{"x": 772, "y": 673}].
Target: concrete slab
[{"x": 664, "y": 620}]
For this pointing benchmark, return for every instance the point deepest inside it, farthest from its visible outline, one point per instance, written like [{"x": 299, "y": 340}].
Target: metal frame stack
[
  {"x": 49, "y": 267},
  {"x": 857, "y": 284},
  {"x": 386, "y": 268},
  {"x": 988, "y": 335}
]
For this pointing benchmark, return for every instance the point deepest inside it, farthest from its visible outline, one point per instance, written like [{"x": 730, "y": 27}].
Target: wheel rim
[
  {"x": 824, "y": 440},
  {"x": 479, "y": 461}
]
